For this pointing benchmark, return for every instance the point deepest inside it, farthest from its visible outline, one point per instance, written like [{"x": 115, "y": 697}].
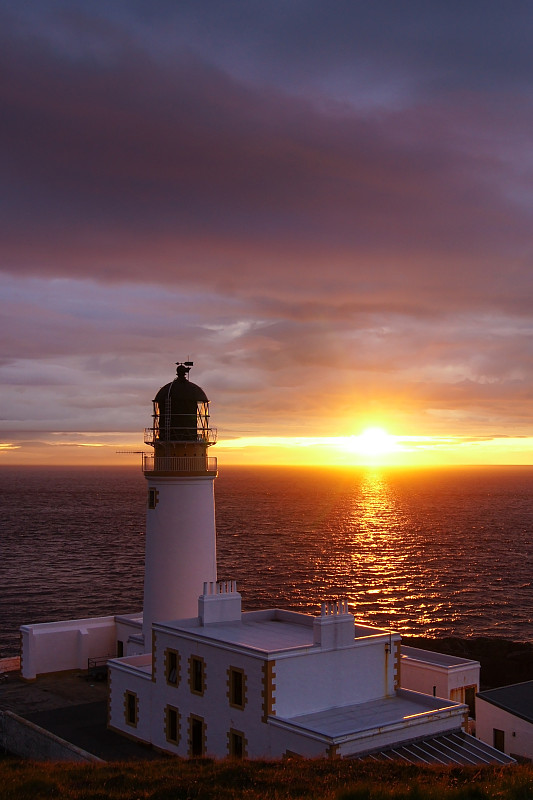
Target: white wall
[
  {"x": 128, "y": 626},
  {"x": 213, "y": 706},
  {"x": 518, "y": 732},
  {"x": 127, "y": 674},
  {"x": 315, "y": 681},
  {"x": 421, "y": 676},
  {"x": 180, "y": 548},
  {"x": 57, "y": 646}
]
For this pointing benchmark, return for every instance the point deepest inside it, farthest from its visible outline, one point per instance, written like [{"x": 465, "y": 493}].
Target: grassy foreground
[{"x": 172, "y": 779}]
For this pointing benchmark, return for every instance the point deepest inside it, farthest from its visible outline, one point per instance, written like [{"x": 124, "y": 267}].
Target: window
[
  {"x": 236, "y": 687},
  {"x": 172, "y": 666},
  {"x": 172, "y": 724},
  {"x": 153, "y": 497},
  {"x": 131, "y": 708},
  {"x": 236, "y": 744},
  {"x": 197, "y": 675},
  {"x": 120, "y": 648},
  {"x": 197, "y": 732}
]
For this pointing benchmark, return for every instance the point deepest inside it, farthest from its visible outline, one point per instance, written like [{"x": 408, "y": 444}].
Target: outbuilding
[{"x": 505, "y": 719}]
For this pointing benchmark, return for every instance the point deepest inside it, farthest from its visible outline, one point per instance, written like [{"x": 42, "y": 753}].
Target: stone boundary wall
[{"x": 22, "y": 738}]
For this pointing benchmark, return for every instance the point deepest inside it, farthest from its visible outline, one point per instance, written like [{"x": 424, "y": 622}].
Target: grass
[{"x": 173, "y": 779}]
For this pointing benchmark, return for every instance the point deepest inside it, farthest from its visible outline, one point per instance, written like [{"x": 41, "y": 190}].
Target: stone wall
[{"x": 22, "y": 738}]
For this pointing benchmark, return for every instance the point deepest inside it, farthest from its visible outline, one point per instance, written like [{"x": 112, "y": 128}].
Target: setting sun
[{"x": 372, "y": 442}]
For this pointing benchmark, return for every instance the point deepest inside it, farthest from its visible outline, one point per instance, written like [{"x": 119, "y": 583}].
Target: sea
[{"x": 434, "y": 552}]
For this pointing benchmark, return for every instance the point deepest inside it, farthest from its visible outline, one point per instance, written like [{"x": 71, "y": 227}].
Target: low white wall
[
  {"x": 57, "y": 646},
  {"x": 22, "y": 738}
]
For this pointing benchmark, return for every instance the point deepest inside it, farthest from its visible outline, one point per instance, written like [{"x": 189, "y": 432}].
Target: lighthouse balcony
[
  {"x": 204, "y": 435},
  {"x": 179, "y": 465}
]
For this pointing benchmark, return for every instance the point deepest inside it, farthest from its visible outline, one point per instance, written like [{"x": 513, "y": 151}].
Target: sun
[{"x": 373, "y": 443}]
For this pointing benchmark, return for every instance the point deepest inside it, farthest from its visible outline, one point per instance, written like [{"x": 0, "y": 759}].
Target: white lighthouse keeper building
[{"x": 180, "y": 519}]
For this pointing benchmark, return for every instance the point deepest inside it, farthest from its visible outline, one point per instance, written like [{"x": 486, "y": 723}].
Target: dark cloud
[
  {"x": 137, "y": 170},
  {"x": 326, "y": 205}
]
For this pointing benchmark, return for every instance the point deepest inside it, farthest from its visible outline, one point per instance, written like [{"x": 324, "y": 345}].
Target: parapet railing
[
  {"x": 207, "y": 436},
  {"x": 183, "y": 464}
]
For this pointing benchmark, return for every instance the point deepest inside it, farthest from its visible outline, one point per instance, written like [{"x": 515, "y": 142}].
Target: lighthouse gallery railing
[
  {"x": 183, "y": 464},
  {"x": 206, "y": 435}
]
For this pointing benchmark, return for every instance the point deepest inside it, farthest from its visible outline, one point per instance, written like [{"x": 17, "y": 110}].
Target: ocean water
[{"x": 435, "y": 552}]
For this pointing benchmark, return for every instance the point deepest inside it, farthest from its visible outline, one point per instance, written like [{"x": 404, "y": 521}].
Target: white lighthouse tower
[{"x": 180, "y": 518}]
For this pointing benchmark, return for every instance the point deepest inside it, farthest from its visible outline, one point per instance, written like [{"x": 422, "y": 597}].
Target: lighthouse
[{"x": 180, "y": 514}]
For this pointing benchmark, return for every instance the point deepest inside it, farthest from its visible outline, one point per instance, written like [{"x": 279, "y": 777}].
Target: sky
[{"x": 327, "y": 206}]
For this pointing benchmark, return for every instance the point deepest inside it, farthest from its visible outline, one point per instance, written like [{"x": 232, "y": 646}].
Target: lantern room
[{"x": 180, "y": 418}]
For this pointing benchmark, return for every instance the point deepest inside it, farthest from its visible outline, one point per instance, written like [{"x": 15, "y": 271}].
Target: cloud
[
  {"x": 177, "y": 172},
  {"x": 328, "y": 211}
]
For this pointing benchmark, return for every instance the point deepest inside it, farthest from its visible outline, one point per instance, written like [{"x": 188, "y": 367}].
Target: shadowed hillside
[{"x": 172, "y": 779}]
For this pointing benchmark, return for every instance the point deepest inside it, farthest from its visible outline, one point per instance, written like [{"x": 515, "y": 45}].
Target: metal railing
[
  {"x": 179, "y": 464},
  {"x": 208, "y": 436}
]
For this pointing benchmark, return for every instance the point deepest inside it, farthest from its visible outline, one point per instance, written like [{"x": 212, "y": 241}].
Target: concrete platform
[{"x": 73, "y": 708}]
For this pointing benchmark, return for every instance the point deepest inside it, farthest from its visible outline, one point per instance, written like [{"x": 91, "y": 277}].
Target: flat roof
[
  {"x": 516, "y": 698},
  {"x": 439, "y": 659},
  {"x": 266, "y": 631},
  {"x": 270, "y": 631},
  {"x": 359, "y": 717}
]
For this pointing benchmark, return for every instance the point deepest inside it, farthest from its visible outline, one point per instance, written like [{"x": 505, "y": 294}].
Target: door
[
  {"x": 498, "y": 738},
  {"x": 197, "y": 737}
]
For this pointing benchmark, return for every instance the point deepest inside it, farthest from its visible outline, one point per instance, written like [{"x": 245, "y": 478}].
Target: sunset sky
[{"x": 327, "y": 206}]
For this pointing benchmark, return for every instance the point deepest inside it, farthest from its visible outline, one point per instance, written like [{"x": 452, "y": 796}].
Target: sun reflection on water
[
  {"x": 377, "y": 525},
  {"x": 413, "y": 550}
]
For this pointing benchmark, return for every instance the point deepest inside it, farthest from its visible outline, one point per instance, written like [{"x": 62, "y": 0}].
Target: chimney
[
  {"x": 220, "y": 602},
  {"x": 334, "y": 628}
]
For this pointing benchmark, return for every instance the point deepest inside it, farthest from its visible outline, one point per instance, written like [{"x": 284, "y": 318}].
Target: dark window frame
[
  {"x": 236, "y": 687},
  {"x": 131, "y": 708},
  {"x": 172, "y": 666},
  {"x": 197, "y": 679}
]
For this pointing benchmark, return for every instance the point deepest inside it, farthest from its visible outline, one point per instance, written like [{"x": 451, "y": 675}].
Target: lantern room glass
[{"x": 188, "y": 424}]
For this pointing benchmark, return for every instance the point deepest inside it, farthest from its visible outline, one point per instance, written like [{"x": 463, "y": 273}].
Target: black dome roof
[{"x": 181, "y": 391}]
